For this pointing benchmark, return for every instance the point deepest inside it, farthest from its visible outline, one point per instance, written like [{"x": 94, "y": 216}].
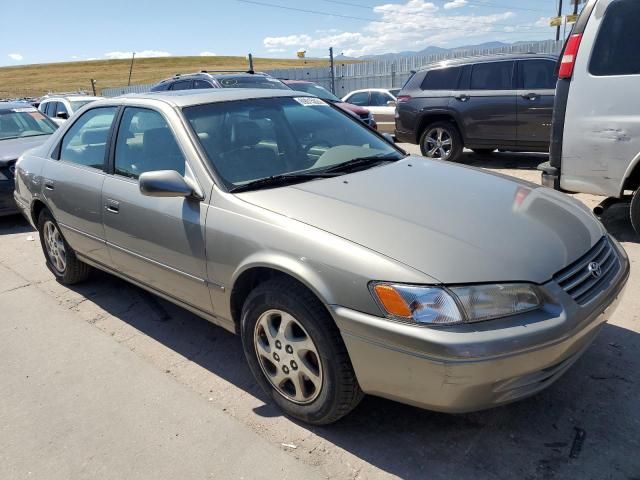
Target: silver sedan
[{"x": 346, "y": 266}]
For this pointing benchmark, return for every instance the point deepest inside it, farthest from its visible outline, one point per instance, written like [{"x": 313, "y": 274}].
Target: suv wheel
[
  {"x": 296, "y": 353},
  {"x": 61, "y": 259},
  {"x": 441, "y": 140},
  {"x": 635, "y": 211}
]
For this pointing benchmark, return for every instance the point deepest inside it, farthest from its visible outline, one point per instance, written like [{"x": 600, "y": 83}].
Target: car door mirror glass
[
  {"x": 165, "y": 183},
  {"x": 62, "y": 115},
  {"x": 391, "y": 103}
]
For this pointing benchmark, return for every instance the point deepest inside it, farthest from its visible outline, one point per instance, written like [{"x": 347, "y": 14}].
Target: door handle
[
  {"x": 112, "y": 206},
  {"x": 49, "y": 184},
  {"x": 530, "y": 96},
  {"x": 462, "y": 98}
]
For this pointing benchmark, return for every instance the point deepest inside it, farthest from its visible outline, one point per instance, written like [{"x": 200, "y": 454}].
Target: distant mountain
[{"x": 431, "y": 51}]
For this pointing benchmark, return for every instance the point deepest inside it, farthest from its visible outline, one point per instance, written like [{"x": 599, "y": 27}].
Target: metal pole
[
  {"x": 133, "y": 56},
  {"x": 333, "y": 72},
  {"x": 575, "y": 6},
  {"x": 251, "y": 70},
  {"x": 93, "y": 86},
  {"x": 560, "y": 15}
]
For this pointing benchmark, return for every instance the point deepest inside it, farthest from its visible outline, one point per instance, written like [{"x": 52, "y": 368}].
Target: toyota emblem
[{"x": 595, "y": 270}]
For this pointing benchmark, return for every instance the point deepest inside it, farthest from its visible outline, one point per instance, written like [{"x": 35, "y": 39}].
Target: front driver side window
[
  {"x": 145, "y": 143},
  {"x": 85, "y": 143},
  {"x": 361, "y": 99}
]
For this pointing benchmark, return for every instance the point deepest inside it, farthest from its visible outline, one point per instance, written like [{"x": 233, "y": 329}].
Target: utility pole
[
  {"x": 133, "y": 56},
  {"x": 575, "y": 6},
  {"x": 333, "y": 72},
  {"x": 560, "y": 15},
  {"x": 250, "y": 57},
  {"x": 93, "y": 86}
]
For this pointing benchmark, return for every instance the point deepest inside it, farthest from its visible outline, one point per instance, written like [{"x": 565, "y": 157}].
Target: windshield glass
[
  {"x": 316, "y": 90},
  {"x": 248, "y": 140},
  {"x": 77, "y": 104},
  {"x": 24, "y": 122},
  {"x": 252, "y": 81}
]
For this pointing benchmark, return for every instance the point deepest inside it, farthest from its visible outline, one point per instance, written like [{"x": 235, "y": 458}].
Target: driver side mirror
[
  {"x": 62, "y": 115},
  {"x": 391, "y": 103},
  {"x": 166, "y": 183}
]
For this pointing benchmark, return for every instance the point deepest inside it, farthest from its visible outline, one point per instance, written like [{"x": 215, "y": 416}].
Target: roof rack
[
  {"x": 62, "y": 94},
  {"x": 251, "y": 72}
]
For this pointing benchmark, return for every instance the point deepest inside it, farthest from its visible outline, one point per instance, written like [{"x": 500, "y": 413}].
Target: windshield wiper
[
  {"x": 356, "y": 163},
  {"x": 280, "y": 180}
]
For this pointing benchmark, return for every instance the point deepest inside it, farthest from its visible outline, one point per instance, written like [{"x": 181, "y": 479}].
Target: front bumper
[
  {"x": 7, "y": 204},
  {"x": 477, "y": 366}
]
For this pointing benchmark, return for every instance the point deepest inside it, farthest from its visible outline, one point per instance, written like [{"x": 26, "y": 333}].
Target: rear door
[
  {"x": 536, "y": 91},
  {"x": 601, "y": 142},
  {"x": 156, "y": 241},
  {"x": 487, "y": 107},
  {"x": 73, "y": 182},
  {"x": 382, "y": 111}
]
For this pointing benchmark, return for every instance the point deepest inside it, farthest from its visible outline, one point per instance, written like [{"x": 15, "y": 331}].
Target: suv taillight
[
  {"x": 403, "y": 98},
  {"x": 569, "y": 57}
]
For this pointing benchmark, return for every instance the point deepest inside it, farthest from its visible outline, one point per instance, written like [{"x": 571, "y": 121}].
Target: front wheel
[
  {"x": 635, "y": 211},
  {"x": 442, "y": 141},
  {"x": 296, "y": 353}
]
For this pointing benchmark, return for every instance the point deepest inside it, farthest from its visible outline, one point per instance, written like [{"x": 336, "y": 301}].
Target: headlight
[{"x": 449, "y": 306}]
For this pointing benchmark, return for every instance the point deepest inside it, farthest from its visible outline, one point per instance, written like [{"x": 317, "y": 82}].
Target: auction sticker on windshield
[
  {"x": 310, "y": 101},
  {"x": 24, "y": 110}
]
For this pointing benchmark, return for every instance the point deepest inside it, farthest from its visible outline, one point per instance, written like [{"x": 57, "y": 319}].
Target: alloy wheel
[
  {"x": 288, "y": 356},
  {"x": 55, "y": 246},
  {"x": 438, "y": 143}
]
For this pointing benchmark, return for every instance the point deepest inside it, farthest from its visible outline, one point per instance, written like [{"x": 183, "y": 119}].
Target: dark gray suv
[{"x": 503, "y": 102}]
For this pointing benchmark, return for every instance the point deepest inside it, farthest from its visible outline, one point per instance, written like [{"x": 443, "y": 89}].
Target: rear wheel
[
  {"x": 635, "y": 211},
  {"x": 442, "y": 141},
  {"x": 61, "y": 259},
  {"x": 296, "y": 353}
]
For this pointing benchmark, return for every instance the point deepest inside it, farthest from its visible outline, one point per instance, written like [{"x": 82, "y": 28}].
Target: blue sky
[{"x": 67, "y": 30}]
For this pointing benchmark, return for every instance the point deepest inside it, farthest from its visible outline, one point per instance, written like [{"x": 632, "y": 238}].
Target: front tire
[
  {"x": 441, "y": 141},
  {"x": 635, "y": 211},
  {"x": 296, "y": 353},
  {"x": 61, "y": 259}
]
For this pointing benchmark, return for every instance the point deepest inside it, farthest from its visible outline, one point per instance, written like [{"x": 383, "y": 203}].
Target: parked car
[
  {"x": 319, "y": 91},
  {"x": 60, "y": 107},
  {"x": 210, "y": 79},
  {"x": 482, "y": 103},
  {"x": 595, "y": 145},
  {"x": 21, "y": 127},
  {"x": 344, "y": 265},
  {"x": 381, "y": 102}
]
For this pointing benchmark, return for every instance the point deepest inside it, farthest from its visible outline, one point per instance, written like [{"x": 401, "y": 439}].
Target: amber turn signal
[{"x": 392, "y": 301}]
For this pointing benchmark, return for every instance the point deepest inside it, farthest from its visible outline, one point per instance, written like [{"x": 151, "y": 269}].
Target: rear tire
[
  {"x": 635, "y": 211},
  {"x": 296, "y": 353},
  {"x": 61, "y": 259},
  {"x": 441, "y": 141}
]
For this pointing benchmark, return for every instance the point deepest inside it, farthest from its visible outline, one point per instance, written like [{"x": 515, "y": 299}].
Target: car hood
[
  {"x": 350, "y": 107},
  {"x": 11, "y": 149},
  {"x": 454, "y": 223}
]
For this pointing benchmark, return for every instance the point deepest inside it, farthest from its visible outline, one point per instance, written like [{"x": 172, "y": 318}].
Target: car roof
[
  {"x": 70, "y": 97},
  {"x": 12, "y": 105},
  {"x": 370, "y": 90},
  {"x": 185, "y": 98},
  {"x": 488, "y": 58}
]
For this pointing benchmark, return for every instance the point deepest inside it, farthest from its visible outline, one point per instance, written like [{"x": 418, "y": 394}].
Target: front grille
[{"x": 586, "y": 278}]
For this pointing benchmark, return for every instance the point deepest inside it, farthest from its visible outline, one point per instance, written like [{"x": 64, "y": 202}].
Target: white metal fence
[{"x": 376, "y": 74}]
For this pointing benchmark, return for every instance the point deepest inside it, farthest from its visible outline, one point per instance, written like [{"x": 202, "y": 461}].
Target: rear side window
[
  {"x": 201, "y": 84},
  {"x": 537, "y": 75},
  {"x": 181, "y": 85},
  {"x": 361, "y": 98},
  {"x": 492, "y": 76},
  {"x": 441, "y": 79},
  {"x": 616, "y": 51},
  {"x": 380, "y": 99},
  {"x": 86, "y": 141},
  {"x": 145, "y": 143}
]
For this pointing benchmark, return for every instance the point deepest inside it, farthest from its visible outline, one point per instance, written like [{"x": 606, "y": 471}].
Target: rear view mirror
[
  {"x": 165, "y": 183},
  {"x": 62, "y": 115}
]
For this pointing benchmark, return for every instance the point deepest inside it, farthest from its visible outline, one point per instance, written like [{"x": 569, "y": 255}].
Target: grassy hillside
[{"x": 33, "y": 80}]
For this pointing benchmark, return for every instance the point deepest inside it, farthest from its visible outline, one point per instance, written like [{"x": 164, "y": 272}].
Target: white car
[
  {"x": 60, "y": 107},
  {"x": 595, "y": 140},
  {"x": 380, "y": 101}
]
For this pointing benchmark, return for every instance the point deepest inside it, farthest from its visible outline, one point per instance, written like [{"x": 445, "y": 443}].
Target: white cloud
[
  {"x": 141, "y": 54},
  {"x": 412, "y": 25},
  {"x": 276, "y": 50},
  {"x": 208, "y": 54},
  {"x": 543, "y": 22},
  {"x": 15, "y": 57},
  {"x": 455, "y": 4}
]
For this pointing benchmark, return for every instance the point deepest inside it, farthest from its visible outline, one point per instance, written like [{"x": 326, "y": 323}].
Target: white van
[{"x": 595, "y": 139}]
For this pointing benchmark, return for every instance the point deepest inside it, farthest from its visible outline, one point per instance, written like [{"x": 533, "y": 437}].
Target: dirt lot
[{"x": 532, "y": 439}]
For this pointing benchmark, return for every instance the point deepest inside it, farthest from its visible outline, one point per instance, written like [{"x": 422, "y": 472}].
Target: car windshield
[
  {"x": 77, "y": 104},
  {"x": 24, "y": 122},
  {"x": 249, "y": 140},
  {"x": 251, "y": 81},
  {"x": 316, "y": 90}
]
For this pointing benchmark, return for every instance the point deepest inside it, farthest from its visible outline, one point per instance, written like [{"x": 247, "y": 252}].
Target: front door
[
  {"x": 535, "y": 96},
  {"x": 382, "y": 111},
  {"x": 73, "y": 182},
  {"x": 159, "y": 242},
  {"x": 487, "y": 107}
]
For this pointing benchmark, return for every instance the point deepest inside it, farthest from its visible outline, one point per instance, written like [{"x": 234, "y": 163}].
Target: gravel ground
[{"x": 531, "y": 439}]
